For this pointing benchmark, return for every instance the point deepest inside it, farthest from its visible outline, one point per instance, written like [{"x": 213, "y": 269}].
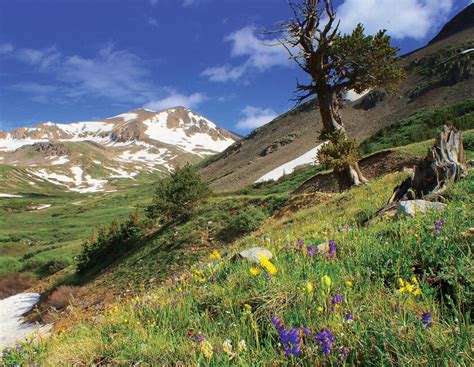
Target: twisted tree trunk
[{"x": 350, "y": 175}]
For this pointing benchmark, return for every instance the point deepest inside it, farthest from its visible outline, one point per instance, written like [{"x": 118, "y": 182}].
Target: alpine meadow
[{"x": 278, "y": 183}]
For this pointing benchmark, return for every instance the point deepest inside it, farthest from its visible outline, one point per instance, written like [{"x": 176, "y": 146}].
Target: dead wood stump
[{"x": 444, "y": 162}]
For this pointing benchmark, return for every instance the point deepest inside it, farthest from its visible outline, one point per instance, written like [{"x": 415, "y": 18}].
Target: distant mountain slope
[
  {"x": 439, "y": 74},
  {"x": 462, "y": 21},
  {"x": 94, "y": 156}
]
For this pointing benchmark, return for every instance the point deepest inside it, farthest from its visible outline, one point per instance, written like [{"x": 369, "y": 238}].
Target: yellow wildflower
[
  {"x": 309, "y": 287},
  {"x": 254, "y": 271},
  {"x": 206, "y": 349},
  {"x": 320, "y": 309},
  {"x": 267, "y": 265},
  {"x": 242, "y": 346},
  {"x": 326, "y": 281},
  {"x": 410, "y": 288},
  {"x": 349, "y": 283},
  {"x": 215, "y": 255},
  {"x": 227, "y": 346}
]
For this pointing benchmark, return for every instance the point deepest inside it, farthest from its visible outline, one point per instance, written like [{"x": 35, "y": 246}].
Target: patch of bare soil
[
  {"x": 13, "y": 285},
  {"x": 373, "y": 166}
]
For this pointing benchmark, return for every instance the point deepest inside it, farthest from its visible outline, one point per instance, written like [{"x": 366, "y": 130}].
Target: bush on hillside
[
  {"x": 108, "y": 244},
  {"x": 247, "y": 220},
  {"x": 177, "y": 196}
]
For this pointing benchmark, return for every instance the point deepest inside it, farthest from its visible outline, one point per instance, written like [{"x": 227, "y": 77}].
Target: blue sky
[{"x": 72, "y": 60}]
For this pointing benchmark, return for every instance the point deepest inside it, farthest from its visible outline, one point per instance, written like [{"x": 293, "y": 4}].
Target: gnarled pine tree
[{"x": 337, "y": 63}]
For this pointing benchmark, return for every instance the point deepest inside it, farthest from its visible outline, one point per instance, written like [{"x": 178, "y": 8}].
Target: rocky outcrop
[
  {"x": 49, "y": 149},
  {"x": 371, "y": 100},
  {"x": 412, "y": 207},
  {"x": 273, "y": 147}
]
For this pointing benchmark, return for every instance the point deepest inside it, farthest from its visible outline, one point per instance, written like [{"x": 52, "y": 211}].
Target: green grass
[
  {"x": 222, "y": 299},
  {"x": 55, "y": 234},
  {"x": 420, "y": 126}
]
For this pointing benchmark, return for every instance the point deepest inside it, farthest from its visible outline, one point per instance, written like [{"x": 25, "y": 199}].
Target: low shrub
[
  {"x": 62, "y": 296},
  {"x": 108, "y": 244},
  {"x": 248, "y": 220}
]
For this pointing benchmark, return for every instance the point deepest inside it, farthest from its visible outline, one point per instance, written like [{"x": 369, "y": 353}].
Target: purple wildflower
[
  {"x": 200, "y": 337},
  {"x": 278, "y": 322},
  {"x": 348, "y": 317},
  {"x": 427, "y": 319},
  {"x": 311, "y": 250},
  {"x": 305, "y": 331},
  {"x": 332, "y": 249},
  {"x": 437, "y": 227},
  {"x": 213, "y": 279},
  {"x": 345, "y": 352},
  {"x": 291, "y": 340},
  {"x": 335, "y": 300},
  {"x": 326, "y": 338}
]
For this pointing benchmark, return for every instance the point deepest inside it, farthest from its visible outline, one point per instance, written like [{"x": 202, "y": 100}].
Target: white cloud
[
  {"x": 224, "y": 73},
  {"x": 261, "y": 54},
  {"x": 118, "y": 75},
  {"x": 254, "y": 117},
  {"x": 6, "y": 48},
  {"x": 42, "y": 58},
  {"x": 176, "y": 99},
  {"x": 402, "y": 18}
]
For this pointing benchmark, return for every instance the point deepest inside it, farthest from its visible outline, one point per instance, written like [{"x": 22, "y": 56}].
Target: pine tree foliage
[{"x": 177, "y": 196}]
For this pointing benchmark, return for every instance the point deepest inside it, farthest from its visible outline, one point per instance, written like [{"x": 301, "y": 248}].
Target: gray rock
[
  {"x": 410, "y": 207},
  {"x": 252, "y": 254}
]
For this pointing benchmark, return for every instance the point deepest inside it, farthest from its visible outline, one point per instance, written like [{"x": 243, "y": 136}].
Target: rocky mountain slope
[
  {"x": 439, "y": 74},
  {"x": 98, "y": 155}
]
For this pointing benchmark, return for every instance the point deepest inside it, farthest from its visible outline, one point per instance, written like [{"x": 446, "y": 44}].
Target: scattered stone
[
  {"x": 410, "y": 207},
  {"x": 323, "y": 248},
  {"x": 253, "y": 254}
]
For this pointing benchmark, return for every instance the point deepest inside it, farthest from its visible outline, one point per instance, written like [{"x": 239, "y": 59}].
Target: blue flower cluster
[
  {"x": 326, "y": 338},
  {"x": 427, "y": 319},
  {"x": 292, "y": 339}
]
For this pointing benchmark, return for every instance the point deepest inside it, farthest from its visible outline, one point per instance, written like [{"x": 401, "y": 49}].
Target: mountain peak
[{"x": 461, "y": 22}]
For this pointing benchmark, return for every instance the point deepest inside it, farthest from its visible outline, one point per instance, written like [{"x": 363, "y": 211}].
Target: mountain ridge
[{"x": 86, "y": 156}]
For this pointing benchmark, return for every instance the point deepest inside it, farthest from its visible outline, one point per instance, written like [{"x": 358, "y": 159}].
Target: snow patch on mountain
[
  {"x": 307, "y": 158},
  {"x": 157, "y": 129},
  {"x": 59, "y": 161},
  {"x": 9, "y": 196},
  {"x": 126, "y": 117}
]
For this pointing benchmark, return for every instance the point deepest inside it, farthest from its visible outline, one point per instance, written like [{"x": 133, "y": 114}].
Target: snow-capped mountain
[{"x": 90, "y": 156}]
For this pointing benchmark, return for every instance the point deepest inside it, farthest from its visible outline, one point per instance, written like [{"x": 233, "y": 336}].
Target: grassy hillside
[
  {"x": 397, "y": 293},
  {"x": 420, "y": 126}
]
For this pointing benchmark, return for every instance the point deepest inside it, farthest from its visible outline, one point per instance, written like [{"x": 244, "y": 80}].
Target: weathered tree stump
[{"x": 444, "y": 162}]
